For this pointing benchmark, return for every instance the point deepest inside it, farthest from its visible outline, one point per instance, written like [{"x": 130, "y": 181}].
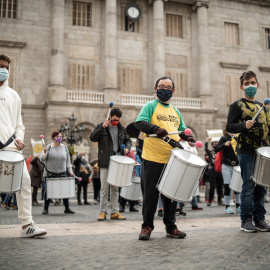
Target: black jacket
[
  {"x": 105, "y": 144},
  {"x": 77, "y": 163},
  {"x": 228, "y": 152},
  {"x": 249, "y": 139},
  {"x": 212, "y": 156}
]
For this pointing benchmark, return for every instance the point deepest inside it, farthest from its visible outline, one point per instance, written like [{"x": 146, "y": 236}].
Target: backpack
[{"x": 218, "y": 161}]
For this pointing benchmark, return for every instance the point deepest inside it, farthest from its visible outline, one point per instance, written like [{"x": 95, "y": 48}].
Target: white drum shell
[
  {"x": 261, "y": 169},
  {"x": 11, "y": 171},
  {"x": 60, "y": 188},
  {"x": 197, "y": 191},
  {"x": 120, "y": 171},
  {"x": 132, "y": 192},
  {"x": 182, "y": 175},
  {"x": 236, "y": 181}
]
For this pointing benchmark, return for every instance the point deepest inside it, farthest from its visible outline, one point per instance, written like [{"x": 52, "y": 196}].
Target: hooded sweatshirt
[{"x": 10, "y": 115}]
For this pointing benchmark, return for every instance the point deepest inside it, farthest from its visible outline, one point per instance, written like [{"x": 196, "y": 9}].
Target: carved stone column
[
  {"x": 57, "y": 90},
  {"x": 158, "y": 39},
  {"x": 204, "y": 70},
  {"x": 111, "y": 93}
]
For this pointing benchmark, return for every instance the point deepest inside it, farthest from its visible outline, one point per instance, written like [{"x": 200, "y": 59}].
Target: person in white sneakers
[{"x": 11, "y": 138}]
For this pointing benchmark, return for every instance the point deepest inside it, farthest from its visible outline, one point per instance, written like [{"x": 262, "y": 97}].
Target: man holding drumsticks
[
  {"x": 11, "y": 138},
  {"x": 253, "y": 134},
  {"x": 158, "y": 117},
  {"x": 110, "y": 135}
]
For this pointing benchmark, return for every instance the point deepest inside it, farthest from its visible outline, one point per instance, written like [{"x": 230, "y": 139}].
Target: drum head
[
  {"x": 188, "y": 157},
  {"x": 122, "y": 159},
  {"x": 264, "y": 151},
  {"x": 11, "y": 156},
  {"x": 136, "y": 179},
  {"x": 237, "y": 168}
]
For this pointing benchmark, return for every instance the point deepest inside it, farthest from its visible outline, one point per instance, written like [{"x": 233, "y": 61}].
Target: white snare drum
[
  {"x": 197, "y": 192},
  {"x": 120, "y": 171},
  {"x": 60, "y": 188},
  {"x": 182, "y": 175},
  {"x": 132, "y": 192},
  {"x": 261, "y": 169},
  {"x": 11, "y": 171},
  {"x": 236, "y": 181}
]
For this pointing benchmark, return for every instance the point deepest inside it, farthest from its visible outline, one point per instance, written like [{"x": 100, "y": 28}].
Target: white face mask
[{"x": 3, "y": 74}]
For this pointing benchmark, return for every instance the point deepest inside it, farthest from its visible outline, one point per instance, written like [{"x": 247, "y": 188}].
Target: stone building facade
[{"x": 77, "y": 56}]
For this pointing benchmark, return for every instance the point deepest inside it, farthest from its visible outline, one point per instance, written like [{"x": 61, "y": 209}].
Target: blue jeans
[
  {"x": 252, "y": 195},
  {"x": 7, "y": 198}
]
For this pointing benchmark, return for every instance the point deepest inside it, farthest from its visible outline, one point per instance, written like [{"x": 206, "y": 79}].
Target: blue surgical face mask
[
  {"x": 251, "y": 90},
  {"x": 3, "y": 74},
  {"x": 164, "y": 94}
]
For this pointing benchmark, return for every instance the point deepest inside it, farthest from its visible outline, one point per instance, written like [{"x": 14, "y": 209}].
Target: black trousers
[
  {"x": 82, "y": 184},
  {"x": 122, "y": 202},
  {"x": 34, "y": 194},
  {"x": 216, "y": 181},
  {"x": 150, "y": 175},
  {"x": 97, "y": 186}
]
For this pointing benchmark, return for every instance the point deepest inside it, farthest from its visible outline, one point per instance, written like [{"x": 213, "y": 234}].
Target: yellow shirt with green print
[{"x": 164, "y": 116}]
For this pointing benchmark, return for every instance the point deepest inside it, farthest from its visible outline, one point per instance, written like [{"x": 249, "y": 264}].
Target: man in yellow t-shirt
[{"x": 158, "y": 117}]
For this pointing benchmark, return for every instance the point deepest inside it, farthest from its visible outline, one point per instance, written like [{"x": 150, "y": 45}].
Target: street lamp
[{"x": 70, "y": 133}]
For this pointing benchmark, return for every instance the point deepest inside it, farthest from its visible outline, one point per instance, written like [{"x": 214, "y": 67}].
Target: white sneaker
[
  {"x": 232, "y": 203},
  {"x": 229, "y": 210},
  {"x": 32, "y": 231}
]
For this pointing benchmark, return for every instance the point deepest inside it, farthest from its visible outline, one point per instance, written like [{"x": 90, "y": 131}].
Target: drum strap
[
  {"x": 172, "y": 142},
  {"x": 10, "y": 140}
]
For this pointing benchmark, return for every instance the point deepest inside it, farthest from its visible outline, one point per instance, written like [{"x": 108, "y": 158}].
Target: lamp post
[{"x": 70, "y": 133}]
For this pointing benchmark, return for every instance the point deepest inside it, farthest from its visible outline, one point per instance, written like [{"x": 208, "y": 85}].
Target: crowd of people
[{"x": 113, "y": 139}]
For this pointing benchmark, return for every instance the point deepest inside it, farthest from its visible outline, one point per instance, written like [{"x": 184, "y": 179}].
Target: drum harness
[{"x": 10, "y": 140}]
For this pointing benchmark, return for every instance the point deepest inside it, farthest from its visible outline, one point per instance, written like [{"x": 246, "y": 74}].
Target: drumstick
[
  {"x": 79, "y": 178},
  {"x": 265, "y": 102},
  {"x": 110, "y": 104},
  {"x": 187, "y": 132},
  {"x": 42, "y": 138},
  {"x": 198, "y": 144}
]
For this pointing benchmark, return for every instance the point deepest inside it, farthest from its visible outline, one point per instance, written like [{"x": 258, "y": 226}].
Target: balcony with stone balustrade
[{"x": 96, "y": 97}]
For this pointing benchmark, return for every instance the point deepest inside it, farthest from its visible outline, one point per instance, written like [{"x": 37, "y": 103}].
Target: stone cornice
[
  {"x": 264, "y": 68},
  {"x": 234, "y": 65},
  {"x": 33, "y": 106},
  {"x": 255, "y": 2},
  {"x": 264, "y": 3},
  {"x": 12, "y": 43}
]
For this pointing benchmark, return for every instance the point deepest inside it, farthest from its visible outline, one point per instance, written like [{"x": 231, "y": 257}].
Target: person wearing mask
[
  {"x": 158, "y": 117},
  {"x": 83, "y": 171},
  {"x": 227, "y": 144},
  {"x": 110, "y": 135},
  {"x": 36, "y": 174},
  {"x": 96, "y": 182},
  {"x": 253, "y": 134},
  {"x": 11, "y": 138},
  {"x": 57, "y": 163},
  {"x": 215, "y": 178}
]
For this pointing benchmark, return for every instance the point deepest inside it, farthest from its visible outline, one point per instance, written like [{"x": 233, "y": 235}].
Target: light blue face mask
[
  {"x": 251, "y": 91},
  {"x": 3, "y": 74}
]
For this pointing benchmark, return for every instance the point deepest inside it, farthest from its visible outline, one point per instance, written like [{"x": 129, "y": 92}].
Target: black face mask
[{"x": 164, "y": 94}]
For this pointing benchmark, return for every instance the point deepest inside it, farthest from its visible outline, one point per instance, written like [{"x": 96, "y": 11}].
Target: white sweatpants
[{"x": 24, "y": 199}]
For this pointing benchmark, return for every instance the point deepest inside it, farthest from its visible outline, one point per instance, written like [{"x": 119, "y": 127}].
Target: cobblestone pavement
[{"x": 79, "y": 241}]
